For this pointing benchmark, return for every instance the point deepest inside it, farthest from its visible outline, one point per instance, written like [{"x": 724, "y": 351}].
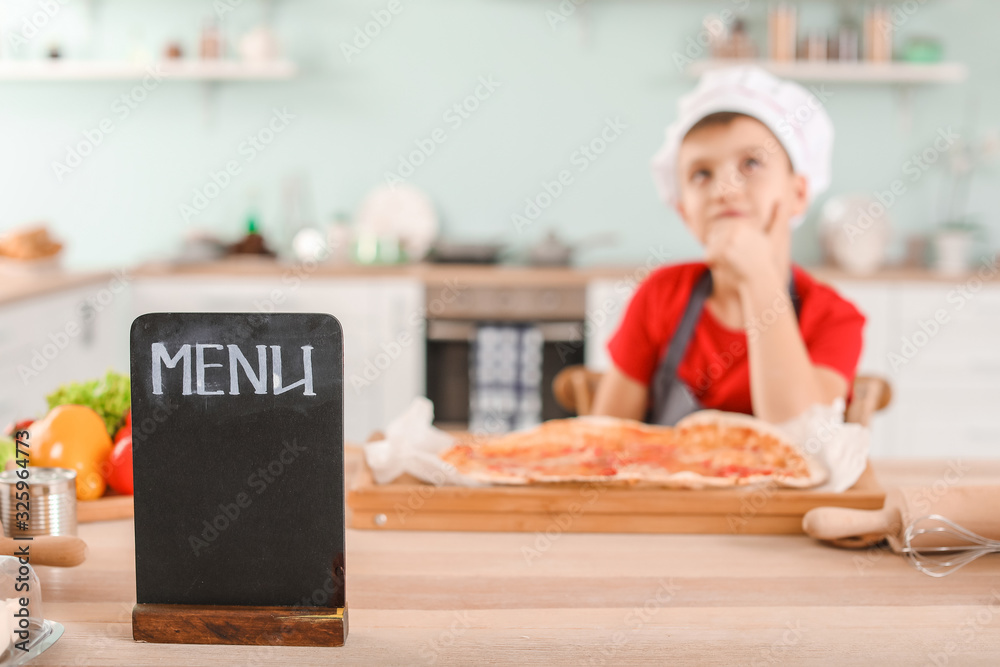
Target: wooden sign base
[{"x": 256, "y": 626}]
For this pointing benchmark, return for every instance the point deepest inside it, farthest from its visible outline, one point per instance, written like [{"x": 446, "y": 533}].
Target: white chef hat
[{"x": 793, "y": 114}]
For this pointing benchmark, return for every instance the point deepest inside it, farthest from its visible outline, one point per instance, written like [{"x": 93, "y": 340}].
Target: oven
[{"x": 456, "y": 312}]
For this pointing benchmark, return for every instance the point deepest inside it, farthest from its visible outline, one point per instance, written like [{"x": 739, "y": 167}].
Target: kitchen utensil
[
  {"x": 907, "y": 521},
  {"x": 50, "y": 502},
  {"x": 855, "y": 231},
  {"x": 198, "y": 246},
  {"x": 938, "y": 561},
  {"x": 444, "y": 252},
  {"x": 553, "y": 251},
  {"x": 54, "y": 550},
  {"x": 550, "y": 251}
]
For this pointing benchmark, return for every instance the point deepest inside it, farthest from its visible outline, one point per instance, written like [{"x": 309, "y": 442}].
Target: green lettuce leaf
[{"x": 109, "y": 397}]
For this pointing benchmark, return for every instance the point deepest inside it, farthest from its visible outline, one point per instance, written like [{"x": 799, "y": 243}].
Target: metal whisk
[{"x": 940, "y": 561}]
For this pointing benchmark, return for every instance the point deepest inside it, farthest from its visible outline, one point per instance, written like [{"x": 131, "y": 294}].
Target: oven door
[{"x": 449, "y": 352}]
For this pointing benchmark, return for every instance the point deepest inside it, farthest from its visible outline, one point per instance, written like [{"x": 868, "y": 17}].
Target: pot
[{"x": 552, "y": 251}]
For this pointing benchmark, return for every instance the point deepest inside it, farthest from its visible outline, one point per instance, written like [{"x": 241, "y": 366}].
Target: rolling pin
[
  {"x": 54, "y": 550},
  {"x": 976, "y": 508}
]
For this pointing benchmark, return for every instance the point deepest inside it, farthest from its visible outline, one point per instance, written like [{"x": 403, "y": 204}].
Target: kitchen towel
[
  {"x": 412, "y": 445},
  {"x": 506, "y": 382},
  {"x": 820, "y": 432}
]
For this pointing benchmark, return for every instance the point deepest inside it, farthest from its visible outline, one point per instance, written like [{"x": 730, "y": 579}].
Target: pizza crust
[
  {"x": 817, "y": 470},
  {"x": 510, "y": 459}
]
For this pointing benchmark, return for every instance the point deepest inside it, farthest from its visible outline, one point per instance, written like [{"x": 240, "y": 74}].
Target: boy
[{"x": 745, "y": 331}]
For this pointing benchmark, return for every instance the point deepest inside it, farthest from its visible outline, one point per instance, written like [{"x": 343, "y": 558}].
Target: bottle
[
  {"x": 741, "y": 44},
  {"x": 781, "y": 32},
  {"x": 339, "y": 237},
  {"x": 815, "y": 45},
  {"x": 210, "y": 46},
  {"x": 878, "y": 34},
  {"x": 844, "y": 45}
]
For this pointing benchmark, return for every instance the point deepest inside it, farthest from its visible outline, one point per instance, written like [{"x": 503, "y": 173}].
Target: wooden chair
[{"x": 574, "y": 388}]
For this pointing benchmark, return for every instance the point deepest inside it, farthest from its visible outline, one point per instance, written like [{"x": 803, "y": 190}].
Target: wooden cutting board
[
  {"x": 409, "y": 504},
  {"x": 106, "y": 508}
]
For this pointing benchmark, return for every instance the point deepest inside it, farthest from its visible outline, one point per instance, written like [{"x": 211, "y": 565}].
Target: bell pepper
[{"x": 74, "y": 437}]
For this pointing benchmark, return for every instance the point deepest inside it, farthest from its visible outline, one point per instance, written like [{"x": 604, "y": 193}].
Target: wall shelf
[
  {"x": 181, "y": 70},
  {"x": 856, "y": 72}
]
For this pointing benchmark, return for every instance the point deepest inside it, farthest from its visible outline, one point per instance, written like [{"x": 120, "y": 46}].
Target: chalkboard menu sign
[{"x": 238, "y": 466}]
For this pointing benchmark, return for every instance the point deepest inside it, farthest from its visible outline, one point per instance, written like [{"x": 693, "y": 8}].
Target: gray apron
[{"x": 671, "y": 399}]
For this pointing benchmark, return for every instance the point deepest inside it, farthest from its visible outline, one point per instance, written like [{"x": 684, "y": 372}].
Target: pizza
[{"x": 707, "y": 449}]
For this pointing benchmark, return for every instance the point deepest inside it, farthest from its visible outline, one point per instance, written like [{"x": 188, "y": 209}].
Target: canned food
[{"x": 50, "y": 504}]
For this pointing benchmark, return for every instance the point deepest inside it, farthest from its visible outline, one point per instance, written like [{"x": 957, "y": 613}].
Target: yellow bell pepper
[{"x": 74, "y": 437}]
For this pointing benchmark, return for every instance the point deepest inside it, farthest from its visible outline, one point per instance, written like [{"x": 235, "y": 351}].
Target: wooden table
[{"x": 515, "y": 598}]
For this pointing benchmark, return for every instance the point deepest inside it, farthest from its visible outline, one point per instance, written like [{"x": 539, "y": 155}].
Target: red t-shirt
[{"x": 716, "y": 367}]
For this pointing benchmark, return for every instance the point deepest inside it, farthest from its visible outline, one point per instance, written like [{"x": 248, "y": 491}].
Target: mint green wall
[{"x": 611, "y": 59}]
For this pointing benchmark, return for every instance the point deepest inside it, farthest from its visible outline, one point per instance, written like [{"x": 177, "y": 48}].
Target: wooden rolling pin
[
  {"x": 976, "y": 508},
  {"x": 55, "y": 550}
]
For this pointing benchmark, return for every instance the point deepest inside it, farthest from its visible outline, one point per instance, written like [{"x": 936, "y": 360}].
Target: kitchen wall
[{"x": 557, "y": 86}]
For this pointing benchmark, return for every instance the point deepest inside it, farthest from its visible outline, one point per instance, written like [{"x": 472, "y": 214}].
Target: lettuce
[{"x": 109, "y": 397}]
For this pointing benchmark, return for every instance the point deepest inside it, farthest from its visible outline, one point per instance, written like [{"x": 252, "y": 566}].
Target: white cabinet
[
  {"x": 48, "y": 340},
  {"x": 944, "y": 366},
  {"x": 382, "y": 320},
  {"x": 606, "y": 303},
  {"x": 876, "y": 303},
  {"x": 937, "y": 344}
]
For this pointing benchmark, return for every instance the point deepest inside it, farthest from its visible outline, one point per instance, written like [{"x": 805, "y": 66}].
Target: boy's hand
[{"x": 744, "y": 254}]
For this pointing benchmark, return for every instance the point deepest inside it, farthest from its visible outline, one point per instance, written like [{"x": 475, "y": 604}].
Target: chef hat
[{"x": 793, "y": 114}]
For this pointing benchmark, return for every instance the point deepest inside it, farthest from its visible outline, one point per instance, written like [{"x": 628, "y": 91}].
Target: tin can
[{"x": 50, "y": 504}]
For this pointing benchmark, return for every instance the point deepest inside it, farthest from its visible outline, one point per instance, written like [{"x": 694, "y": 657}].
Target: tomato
[
  {"x": 120, "y": 475},
  {"x": 124, "y": 431},
  {"x": 14, "y": 427}
]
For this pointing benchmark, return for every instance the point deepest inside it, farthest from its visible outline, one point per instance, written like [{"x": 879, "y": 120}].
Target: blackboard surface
[{"x": 238, "y": 459}]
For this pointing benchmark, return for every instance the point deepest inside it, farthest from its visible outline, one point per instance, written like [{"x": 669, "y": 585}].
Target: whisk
[
  {"x": 939, "y": 561},
  {"x": 913, "y": 521}
]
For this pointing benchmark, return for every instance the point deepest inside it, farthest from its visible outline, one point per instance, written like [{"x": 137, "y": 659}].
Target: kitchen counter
[
  {"x": 430, "y": 274},
  {"x": 521, "y": 598},
  {"x": 14, "y": 288},
  {"x": 503, "y": 274},
  {"x": 17, "y": 287}
]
